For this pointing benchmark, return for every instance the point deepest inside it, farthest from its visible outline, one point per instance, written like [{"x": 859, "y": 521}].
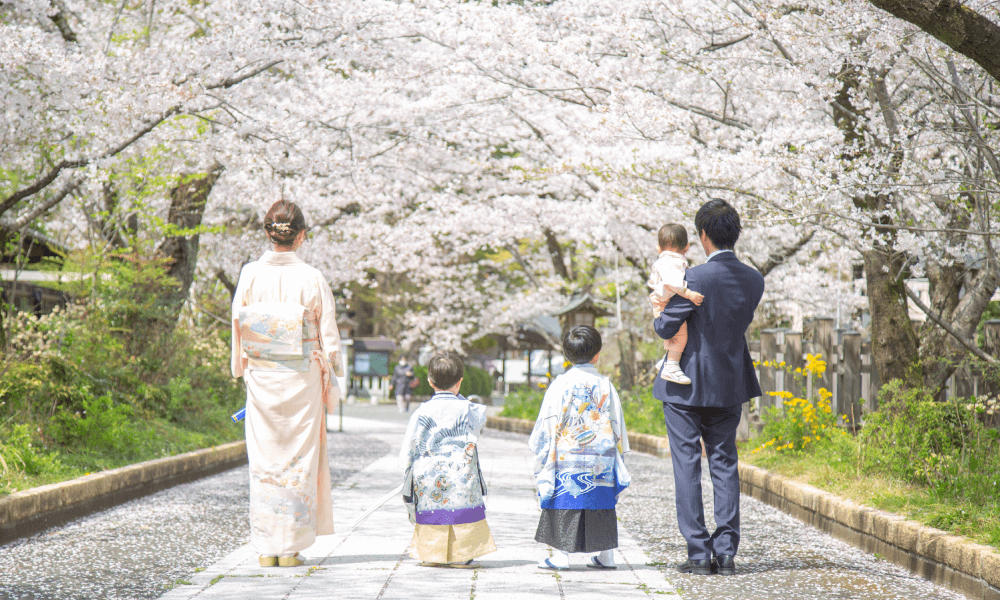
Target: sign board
[{"x": 370, "y": 363}]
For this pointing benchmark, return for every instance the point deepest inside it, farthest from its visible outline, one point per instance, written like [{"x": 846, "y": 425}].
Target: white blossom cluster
[{"x": 480, "y": 160}]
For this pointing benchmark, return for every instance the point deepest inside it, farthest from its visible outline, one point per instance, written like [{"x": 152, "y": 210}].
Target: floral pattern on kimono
[
  {"x": 443, "y": 484},
  {"x": 578, "y": 442}
]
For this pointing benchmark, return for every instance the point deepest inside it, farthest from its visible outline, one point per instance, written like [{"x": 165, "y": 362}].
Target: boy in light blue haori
[
  {"x": 443, "y": 486},
  {"x": 578, "y": 443}
]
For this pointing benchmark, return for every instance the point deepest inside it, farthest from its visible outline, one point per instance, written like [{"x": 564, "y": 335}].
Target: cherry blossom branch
[
  {"x": 778, "y": 257},
  {"x": 50, "y": 176},
  {"x": 26, "y": 220},
  {"x": 966, "y": 31}
]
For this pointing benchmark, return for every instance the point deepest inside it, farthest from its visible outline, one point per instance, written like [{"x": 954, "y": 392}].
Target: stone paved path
[
  {"x": 371, "y": 561},
  {"x": 193, "y": 535}
]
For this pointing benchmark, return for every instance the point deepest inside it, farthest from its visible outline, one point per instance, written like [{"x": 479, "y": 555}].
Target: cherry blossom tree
[{"x": 473, "y": 164}]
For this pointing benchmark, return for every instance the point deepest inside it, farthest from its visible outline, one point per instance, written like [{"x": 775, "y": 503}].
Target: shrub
[
  {"x": 102, "y": 425},
  {"x": 643, "y": 412},
  {"x": 85, "y": 387},
  {"x": 800, "y": 423},
  {"x": 939, "y": 444},
  {"x": 19, "y": 452},
  {"x": 475, "y": 381},
  {"x": 523, "y": 404}
]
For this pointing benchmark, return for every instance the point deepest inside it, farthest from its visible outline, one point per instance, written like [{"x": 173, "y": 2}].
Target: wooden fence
[{"x": 849, "y": 373}]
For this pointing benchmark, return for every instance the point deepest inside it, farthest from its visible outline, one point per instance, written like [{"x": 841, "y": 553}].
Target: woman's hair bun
[{"x": 283, "y": 221}]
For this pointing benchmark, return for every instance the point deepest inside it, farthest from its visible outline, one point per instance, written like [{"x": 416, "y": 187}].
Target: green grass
[
  {"x": 835, "y": 467},
  {"x": 168, "y": 439}
]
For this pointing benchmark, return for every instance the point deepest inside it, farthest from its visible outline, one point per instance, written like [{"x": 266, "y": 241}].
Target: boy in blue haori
[
  {"x": 443, "y": 486},
  {"x": 578, "y": 443}
]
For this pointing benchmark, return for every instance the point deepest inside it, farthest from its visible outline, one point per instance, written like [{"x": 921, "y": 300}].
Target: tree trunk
[
  {"x": 894, "y": 341},
  {"x": 626, "y": 360},
  {"x": 941, "y": 351},
  {"x": 187, "y": 207}
]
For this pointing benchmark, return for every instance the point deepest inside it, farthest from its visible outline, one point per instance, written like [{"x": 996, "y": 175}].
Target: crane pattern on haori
[{"x": 441, "y": 462}]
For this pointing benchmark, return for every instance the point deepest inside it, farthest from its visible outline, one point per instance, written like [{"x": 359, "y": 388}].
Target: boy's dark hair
[
  {"x": 581, "y": 344},
  {"x": 672, "y": 236},
  {"x": 444, "y": 370},
  {"x": 720, "y": 222}
]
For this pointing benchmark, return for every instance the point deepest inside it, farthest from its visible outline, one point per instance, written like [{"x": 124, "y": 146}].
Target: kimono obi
[{"x": 278, "y": 336}]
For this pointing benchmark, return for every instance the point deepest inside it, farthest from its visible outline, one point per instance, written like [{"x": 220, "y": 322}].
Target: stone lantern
[{"x": 582, "y": 309}]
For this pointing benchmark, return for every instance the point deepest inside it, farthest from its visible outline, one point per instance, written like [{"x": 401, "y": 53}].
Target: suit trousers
[{"x": 687, "y": 426}]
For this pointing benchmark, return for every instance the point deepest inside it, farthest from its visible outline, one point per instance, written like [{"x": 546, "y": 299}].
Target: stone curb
[
  {"x": 29, "y": 511},
  {"x": 949, "y": 560}
]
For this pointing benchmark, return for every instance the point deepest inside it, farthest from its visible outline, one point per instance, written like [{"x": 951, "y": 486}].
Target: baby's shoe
[{"x": 672, "y": 372}]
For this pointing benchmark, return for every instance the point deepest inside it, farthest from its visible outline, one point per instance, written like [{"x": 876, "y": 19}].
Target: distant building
[{"x": 21, "y": 286}]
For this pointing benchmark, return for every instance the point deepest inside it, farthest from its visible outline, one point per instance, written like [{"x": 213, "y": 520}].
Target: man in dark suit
[{"x": 722, "y": 378}]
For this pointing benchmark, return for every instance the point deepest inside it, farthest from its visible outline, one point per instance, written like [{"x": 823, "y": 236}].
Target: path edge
[
  {"x": 952, "y": 561},
  {"x": 30, "y": 511}
]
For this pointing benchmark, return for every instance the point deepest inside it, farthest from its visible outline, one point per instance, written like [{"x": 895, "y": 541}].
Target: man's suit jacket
[{"x": 716, "y": 357}]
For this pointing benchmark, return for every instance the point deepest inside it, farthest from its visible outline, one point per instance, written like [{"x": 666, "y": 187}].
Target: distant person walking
[
  {"x": 284, "y": 340},
  {"x": 403, "y": 381},
  {"x": 722, "y": 378}
]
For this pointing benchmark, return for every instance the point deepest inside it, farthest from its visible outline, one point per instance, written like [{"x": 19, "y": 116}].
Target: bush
[
  {"x": 934, "y": 461},
  {"x": 800, "y": 423},
  {"x": 19, "y": 452},
  {"x": 939, "y": 444},
  {"x": 643, "y": 412},
  {"x": 523, "y": 404},
  {"x": 85, "y": 388},
  {"x": 475, "y": 381}
]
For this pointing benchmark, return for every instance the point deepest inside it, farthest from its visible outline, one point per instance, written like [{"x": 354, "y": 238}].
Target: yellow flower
[{"x": 815, "y": 364}]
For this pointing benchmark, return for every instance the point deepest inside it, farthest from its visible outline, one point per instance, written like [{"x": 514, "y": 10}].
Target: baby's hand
[{"x": 695, "y": 297}]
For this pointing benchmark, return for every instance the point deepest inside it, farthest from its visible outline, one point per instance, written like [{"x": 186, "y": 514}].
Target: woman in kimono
[
  {"x": 442, "y": 483},
  {"x": 578, "y": 443},
  {"x": 285, "y": 338}
]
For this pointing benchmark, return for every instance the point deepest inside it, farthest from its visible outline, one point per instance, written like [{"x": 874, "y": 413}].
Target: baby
[{"x": 666, "y": 280}]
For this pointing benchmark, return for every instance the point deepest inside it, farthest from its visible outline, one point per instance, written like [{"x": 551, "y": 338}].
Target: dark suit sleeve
[{"x": 673, "y": 316}]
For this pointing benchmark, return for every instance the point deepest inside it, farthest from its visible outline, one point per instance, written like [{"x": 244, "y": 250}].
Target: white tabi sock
[
  {"x": 606, "y": 557},
  {"x": 560, "y": 558}
]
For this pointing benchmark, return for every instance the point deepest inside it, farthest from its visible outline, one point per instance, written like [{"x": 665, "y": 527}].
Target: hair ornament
[{"x": 280, "y": 228}]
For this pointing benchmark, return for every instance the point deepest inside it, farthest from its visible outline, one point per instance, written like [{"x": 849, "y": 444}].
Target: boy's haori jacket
[
  {"x": 578, "y": 442},
  {"x": 442, "y": 479}
]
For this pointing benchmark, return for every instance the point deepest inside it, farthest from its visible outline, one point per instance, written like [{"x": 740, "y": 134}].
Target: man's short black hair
[
  {"x": 581, "y": 344},
  {"x": 444, "y": 370},
  {"x": 720, "y": 222}
]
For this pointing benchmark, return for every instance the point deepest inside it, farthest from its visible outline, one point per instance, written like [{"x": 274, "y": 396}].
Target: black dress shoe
[
  {"x": 725, "y": 565},
  {"x": 696, "y": 566}
]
